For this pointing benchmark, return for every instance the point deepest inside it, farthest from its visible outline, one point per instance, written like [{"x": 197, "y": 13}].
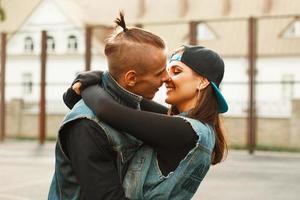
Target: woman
[{"x": 180, "y": 146}]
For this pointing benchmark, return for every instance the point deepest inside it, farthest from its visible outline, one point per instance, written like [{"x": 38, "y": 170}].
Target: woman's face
[{"x": 183, "y": 86}]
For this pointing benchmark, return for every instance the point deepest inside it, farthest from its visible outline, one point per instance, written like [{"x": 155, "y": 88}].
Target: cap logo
[{"x": 175, "y": 57}]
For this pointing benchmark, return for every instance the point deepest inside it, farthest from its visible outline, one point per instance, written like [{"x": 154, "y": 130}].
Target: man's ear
[{"x": 130, "y": 78}]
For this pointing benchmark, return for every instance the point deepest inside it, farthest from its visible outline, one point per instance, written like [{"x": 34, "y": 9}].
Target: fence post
[
  {"x": 88, "y": 46},
  {"x": 2, "y": 86},
  {"x": 42, "y": 118},
  {"x": 294, "y": 137},
  {"x": 251, "y": 131},
  {"x": 193, "y": 33}
]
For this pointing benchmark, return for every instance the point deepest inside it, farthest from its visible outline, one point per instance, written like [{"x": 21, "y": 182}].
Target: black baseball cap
[{"x": 208, "y": 64}]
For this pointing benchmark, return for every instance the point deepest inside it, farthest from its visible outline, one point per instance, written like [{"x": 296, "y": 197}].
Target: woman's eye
[{"x": 175, "y": 72}]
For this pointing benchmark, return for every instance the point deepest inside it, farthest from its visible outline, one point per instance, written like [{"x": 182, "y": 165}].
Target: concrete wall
[
  {"x": 295, "y": 124},
  {"x": 279, "y": 132},
  {"x": 270, "y": 132},
  {"x": 22, "y": 121}
]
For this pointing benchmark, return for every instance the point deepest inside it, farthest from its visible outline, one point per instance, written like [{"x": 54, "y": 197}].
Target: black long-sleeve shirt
[
  {"x": 92, "y": 157},
  {"x": 92, "y": 160},
  {"x": 171, "y": 137}
]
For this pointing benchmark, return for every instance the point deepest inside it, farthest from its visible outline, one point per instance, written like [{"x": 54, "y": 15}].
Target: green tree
[{"x": 2, "y": 13}]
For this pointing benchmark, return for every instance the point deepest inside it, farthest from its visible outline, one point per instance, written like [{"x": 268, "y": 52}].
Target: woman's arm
[
  {"x": 89, "y": 78},
  {"x": 86, "y": 79},
  {"x": 158, "y": 130},
  {"x": 70, "y": 98},
  {"x": 152, "y": 106}
]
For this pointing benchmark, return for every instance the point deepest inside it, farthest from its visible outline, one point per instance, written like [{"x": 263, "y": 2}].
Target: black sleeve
[
  {"x": 86, "y": 79},
  {"x": 71, "y": 98},
  {"x": 92, "y": 160},
  {"x": 152, "y": 106},
  {"x": 158, "y": 130}
]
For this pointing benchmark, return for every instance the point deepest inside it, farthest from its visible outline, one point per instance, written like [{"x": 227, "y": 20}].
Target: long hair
[{"x": 206, "y": 111}]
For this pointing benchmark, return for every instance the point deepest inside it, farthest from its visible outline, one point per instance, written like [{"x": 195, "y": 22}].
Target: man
[{"x": 91, "y": 157}]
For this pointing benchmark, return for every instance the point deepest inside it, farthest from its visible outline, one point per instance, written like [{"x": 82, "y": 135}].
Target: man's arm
[{"x": 92, "y": 160}]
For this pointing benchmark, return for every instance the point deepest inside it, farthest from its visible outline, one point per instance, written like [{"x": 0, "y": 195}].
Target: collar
[
  {"x": 184, "y": 114},
  {"x": 119, "y": 93}
]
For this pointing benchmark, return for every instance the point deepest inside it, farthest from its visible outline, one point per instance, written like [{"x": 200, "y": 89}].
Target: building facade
[{"x": 222, "y": 25}]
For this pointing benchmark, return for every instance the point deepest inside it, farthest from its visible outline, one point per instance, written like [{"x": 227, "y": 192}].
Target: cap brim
[{"x": 222, "y": 104}]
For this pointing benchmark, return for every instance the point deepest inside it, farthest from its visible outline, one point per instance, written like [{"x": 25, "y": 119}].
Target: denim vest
[
  {"x": 144, "y": 179},
  {"x": 64, "y": 184}
]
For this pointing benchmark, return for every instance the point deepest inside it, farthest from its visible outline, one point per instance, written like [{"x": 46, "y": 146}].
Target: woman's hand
[
  {"x": 82, "y": 80},
  {"x": 86, "y": 79},
  {"x": 76, "y": 87}
]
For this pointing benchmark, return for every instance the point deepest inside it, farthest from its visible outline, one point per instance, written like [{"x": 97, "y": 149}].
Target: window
[
  {"x": 293, "y": 30},
  {"x": 28, "y": 44},
  {"x": 287, "y": 86},
  {"x": 72, "y": 43},
  {"x": 204, "y": 32},
  {"x": 50, "y": 43},
  {"x": 27, "y": 83}
]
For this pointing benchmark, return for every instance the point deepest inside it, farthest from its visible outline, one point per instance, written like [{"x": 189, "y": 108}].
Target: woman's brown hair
[{"x": 206, "y": 111}]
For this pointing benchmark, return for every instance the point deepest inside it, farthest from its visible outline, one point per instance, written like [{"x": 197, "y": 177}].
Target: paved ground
[{"x": 26, "y": 170}]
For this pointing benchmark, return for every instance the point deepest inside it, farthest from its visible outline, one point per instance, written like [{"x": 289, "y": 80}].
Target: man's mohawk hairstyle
[{"x": 121, "y": 22}]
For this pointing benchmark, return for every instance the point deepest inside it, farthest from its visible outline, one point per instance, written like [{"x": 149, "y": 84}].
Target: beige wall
[
  {"x": 16, "y": 13},
  {"x": 270, "y": 40},
  {"x": 232, "y": 35},
  {"x": 23, "y": 123},
  {"x": 294, "y": 135},
  {"x": 270, "y": 132},
  {"x": 167, "y": 10}
]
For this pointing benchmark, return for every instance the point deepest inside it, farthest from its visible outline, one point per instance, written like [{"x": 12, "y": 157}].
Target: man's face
[{"x": 149, "y": 82}]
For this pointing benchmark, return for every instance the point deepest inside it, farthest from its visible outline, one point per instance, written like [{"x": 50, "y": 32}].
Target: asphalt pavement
[{"x": 26, "y": 170}]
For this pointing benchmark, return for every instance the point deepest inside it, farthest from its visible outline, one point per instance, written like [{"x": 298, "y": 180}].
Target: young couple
[{"x": 116, "y": 143}]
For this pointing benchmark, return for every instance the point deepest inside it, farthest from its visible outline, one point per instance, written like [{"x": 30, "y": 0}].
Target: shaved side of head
[{"x": 131, "y": 48}]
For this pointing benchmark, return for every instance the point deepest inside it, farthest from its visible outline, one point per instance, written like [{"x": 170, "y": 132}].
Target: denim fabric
[
  {"x": 64, "y": 184},
  {"x": 144, "y": 180}
]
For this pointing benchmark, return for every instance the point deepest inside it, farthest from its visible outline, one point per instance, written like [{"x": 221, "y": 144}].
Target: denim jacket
[
  {"x": 64, "y": 184},
  {"x": 144, "y": 180}
]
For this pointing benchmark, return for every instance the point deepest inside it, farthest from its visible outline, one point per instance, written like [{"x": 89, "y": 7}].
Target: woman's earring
[{"x": 198, "y": 93}]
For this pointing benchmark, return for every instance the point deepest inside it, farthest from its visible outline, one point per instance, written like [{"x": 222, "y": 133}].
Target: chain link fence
[{"x": 276, "y": 64}]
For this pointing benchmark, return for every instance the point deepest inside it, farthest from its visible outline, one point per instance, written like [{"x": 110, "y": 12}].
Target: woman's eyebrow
[{"x": 176, "y": 66}]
